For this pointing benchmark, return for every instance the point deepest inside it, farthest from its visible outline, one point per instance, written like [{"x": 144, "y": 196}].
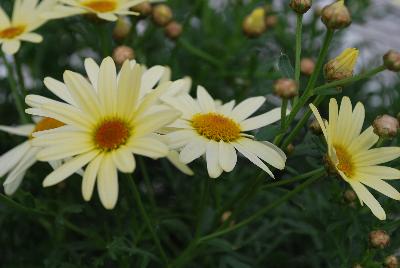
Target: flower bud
[
  {"x": 286, "y": 88},
  {"x": 379, "y": 239},
  {"x": 123, "y": 53},
  {"x": 162, "y": 14},
  {"x": 315, "y": 127},
  {"x": 391, "y": 60},
  {"x": 342, "y": 66},
  {"x": 350, "y": 196},
  {"x": 271, "y": 21},
  {"x": 290, "y": 149},
  {"x": 173, "y": 30},
  {"x": 300, "y": 6},
  {"x": 386, "y": 126},
  {"x": 144, "y": 9},
  {"x": 357, "y": 266},
  {"x": 121, "y": 29},
  {"x": 336, "y": 16},
  {"x": 391, "y": 262},
  {"x": 254, "y": 24},
  {"x": 307, "y": 66},
  {"x": 225, "y": 216}
]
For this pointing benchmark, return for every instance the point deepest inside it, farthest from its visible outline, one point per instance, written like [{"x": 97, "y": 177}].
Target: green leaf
[{"x": 328, "y": 91}]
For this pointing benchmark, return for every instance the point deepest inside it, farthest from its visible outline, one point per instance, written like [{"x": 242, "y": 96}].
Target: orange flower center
[
  {"x": 47, "y": 123},
  {"x": 101, "y": 5},
  {"x": 111, "y": 134},
  {"x": 345, "y": 164},
  {"x": 216, "y": 127},
  {"x": 11, "y": 32}
]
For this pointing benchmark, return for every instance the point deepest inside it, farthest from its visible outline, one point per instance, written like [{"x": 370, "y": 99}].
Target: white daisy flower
[
  {"x": 218, "y": 131},
  {"x": 106, "y": 123},
  {"x": 104, "y": 9},
  {"x": 26, "y": 17},
  {"x": 19, "y": 159},
  {"x": 350, "y": 153}
]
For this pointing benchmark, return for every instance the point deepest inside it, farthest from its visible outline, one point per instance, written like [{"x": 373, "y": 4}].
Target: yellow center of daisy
[
  {"x": 111, "y": 134},
  {"x": 216, "y": 127},
  {"x": 345, "y": 164},
  {"x": 47, "y": 123},
  {"x": 12, "y": 32},
  {"x": 101, "y": 5}
]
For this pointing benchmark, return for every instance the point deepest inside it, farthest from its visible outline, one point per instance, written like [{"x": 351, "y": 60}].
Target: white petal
[
  {"x": 247, "y": 107},
  {"x": 59, "y": 89},
  {"x": 10, "y": 188},
  {"x": 154, "y": 122},
  {"x": 378, "y": 172},
  {"x": 212, "y": 158},
  {"x": 23, "y": 130},
  {"x": 262, "y": 120},
  {"x": 180, "y": 138},
  {"x": 151, "y": 77},
  {"x": 107, "y": 16},
  {"x": 227, "y": 108},
  {"x": 12, "y": 157},
  {"x": 206, "y": 102},
  {"x": 107, "y": 183},
  {"x": 363, "y": 142},
  {"x": 173, "y": 157},
  {"x": 366, "y": 197},
  {"x": 124, "y": 160},
  {"x": 149, "y": 147},
  {"x": 319, "y": 119},
  {"x": 92, "y": 70},
  {"x": 193, "y": 150},
  {"x": 382, "y": 187},
  {"x": 11, "y": 47},
  {"x": 377, "y": 156},
  {"x": 107, "y": 85},
  {"x": 227, "y": 156},
  {"x": 58, "y": 152},
  {"x": 89, "y": 177},
  {"x": 68, "y": 168},
  {"x": 31, "y": 37}
]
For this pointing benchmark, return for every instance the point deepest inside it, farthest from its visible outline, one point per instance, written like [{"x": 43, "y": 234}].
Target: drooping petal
[
  {"x": 107, "y": 183},
  {"x": 89, "y": 177},
  {"x": 12, "y": 157},
  {"x": 173, "y": 157},
  {"x": 212, "y": 158},
  {"x": 193, "y": 150},
  {"x": 227, "y": 156}
]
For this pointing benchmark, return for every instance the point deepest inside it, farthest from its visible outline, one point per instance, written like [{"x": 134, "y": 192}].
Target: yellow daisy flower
[
  {"x": 219, "y": 130},
  {"x": 19, "y": 159},
  {"x": 104, "y": 9},
  {"x": 106, "y": 123},
  {"x": 25, "y": 19},
  {"x": 350, "y": 153}
]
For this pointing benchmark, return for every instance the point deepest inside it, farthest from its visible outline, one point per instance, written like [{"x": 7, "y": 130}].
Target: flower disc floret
[
  {"x": 111, "y": 134},
  {"x": 101, "y": 5},
  {"x": 216, "y": 127},
  {"x": 12, "y": 32}
]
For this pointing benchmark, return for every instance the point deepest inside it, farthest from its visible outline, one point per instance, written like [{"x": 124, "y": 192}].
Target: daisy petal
[
  {"x": 227, "y": 156},
  {"x": 124, "y": 160},
  {"x": 206, "y": 102},
  {"x": 149, "y": 147},
  {"x": 92, "y": 70},
  {"x": 107, "y": 183},
  {"x": 193, "y": 150},
  {"x": 89, "y": 177},
  {"x": 261, "y": 120},
  {"x": 23, "y": 130},
  {"x": 382, "y": 187},
  {"x": 12, "y": 157},
  {"x": 11, "y": 47},
  {"x": 173, "y": 157},
  {"x": 377, "y": 156},
  {"x": 247, "y": 107},
  {"x": 378, "y": 172},
  {"x": 212, "y": 158}
]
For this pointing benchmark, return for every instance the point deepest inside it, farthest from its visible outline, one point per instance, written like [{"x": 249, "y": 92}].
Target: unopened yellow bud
[
  {"x": 254, "y": 24},
  {"x": 342, "y": 66},
  {"x": 336, "y": 16},
  {"x": 392, "y": 60},
  {"x": 162, "y": 14},
  {"x": 300, "y": 6},
  {"x": 122, "y": 28}
]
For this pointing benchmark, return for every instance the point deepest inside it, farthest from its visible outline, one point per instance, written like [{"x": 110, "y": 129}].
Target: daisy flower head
[
  {"x": 19, "y": 159},
  {"x": 218, "y": 131},
  {"x": 26, "y": 17},
  {"x": 106, "y": 123},
  {"x": 103, "y": 9},
  {"x": 350, "y": 153}
]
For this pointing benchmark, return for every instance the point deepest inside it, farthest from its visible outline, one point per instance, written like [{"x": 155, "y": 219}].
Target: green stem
[
  {"x": 199, "y": 53},
  {"x": 261, "y": 211},
  {"x": 283, "y": 114},
  {"x": 11, "y": 203},
  {"x": 302, "y": 122},
  {"x": 146, "y": 218},
  {"x": 350, "y": 79},
  {"x": 20, "y": 75},
  {"x": 14, "y": 89},
  {"x": 294, "y": 179},
  {"x": 147, "y": 182},
  {"x": 311, "y": 83},
  {"x": 298, "y": 47}
]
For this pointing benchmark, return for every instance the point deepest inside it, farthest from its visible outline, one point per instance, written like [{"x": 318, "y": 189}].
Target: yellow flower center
[
  {"x": 47, "y": 123},
  {"x": 345, "y": 160},
  {"x": 111, "y": 134},
  {"x": 12, "y": 32},
  {"x": 101, "y": 5},
  {"x": 216, "y": 127}
]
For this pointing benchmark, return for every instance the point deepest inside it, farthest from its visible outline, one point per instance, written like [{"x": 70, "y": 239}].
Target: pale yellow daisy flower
[
  {"x": 26, "y": 17},
  {"x": 350, "y": 153},
  {"x": 104, "y": 9},
  {"x": 106, "y": 123},
  {"x": 19, "y": 159},
  {"x": 219, "y": 130}
]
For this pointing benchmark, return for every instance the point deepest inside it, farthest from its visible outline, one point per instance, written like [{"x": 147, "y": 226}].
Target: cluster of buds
[
  {"x": 342, "y": 66},
  {"x": 391, "y": 262},
  {"x": 386, "y": 126},
  {"x": 379, "y": 239},
  {"x": 391, "y": 60},
  {"x": 286, "y": 88},
  {"x": 144, "y": 9},
  {"x": 300, "y": 6},
  {"x": 307, "y": 66},
  {"x": 336, "y": 16},
  {"x": 258, "y": 21},
  {"x": 122, "y": 53},
  {"x": 162, "y": 16}
]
